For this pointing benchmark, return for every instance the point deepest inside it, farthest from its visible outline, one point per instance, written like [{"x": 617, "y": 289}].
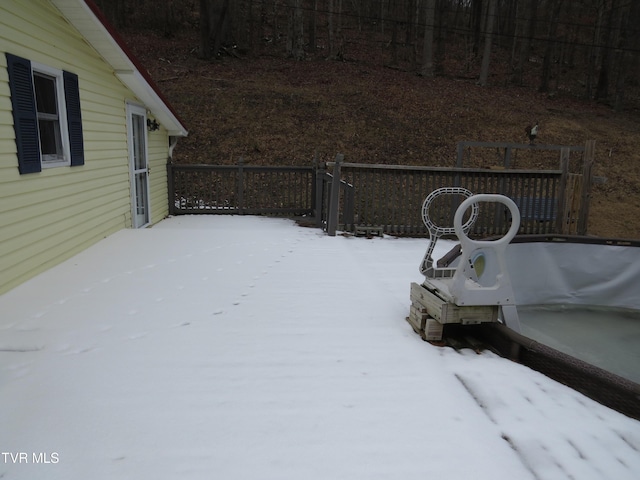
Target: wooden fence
[
  {"x": 241, "y": 189},
  {"x": 361, "y": 197},
  {"x": 391, "y": 197}
]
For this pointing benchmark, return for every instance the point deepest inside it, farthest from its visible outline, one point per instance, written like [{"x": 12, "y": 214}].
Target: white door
[{"x": 139, "y": 167}]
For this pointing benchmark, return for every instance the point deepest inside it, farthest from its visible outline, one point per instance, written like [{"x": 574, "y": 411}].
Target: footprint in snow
[
  {"x": 20, "y": 348},
  {"x": 79, "y": 351}
]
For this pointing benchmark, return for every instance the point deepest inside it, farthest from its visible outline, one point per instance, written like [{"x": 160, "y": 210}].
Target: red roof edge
[{"x": 123, "y": 45}]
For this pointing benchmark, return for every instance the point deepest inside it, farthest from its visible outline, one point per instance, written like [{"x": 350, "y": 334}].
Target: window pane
[
  {"x": 50, "y": 141},
  {"x": 45, "y": 88},
  {"x": 139, "y": 155}
]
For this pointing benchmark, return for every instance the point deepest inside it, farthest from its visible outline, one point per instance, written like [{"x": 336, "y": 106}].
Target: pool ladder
[{"x": 477, "y": 288}]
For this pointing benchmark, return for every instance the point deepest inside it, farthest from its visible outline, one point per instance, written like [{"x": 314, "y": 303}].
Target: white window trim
[{"x": 62, "y": 115}]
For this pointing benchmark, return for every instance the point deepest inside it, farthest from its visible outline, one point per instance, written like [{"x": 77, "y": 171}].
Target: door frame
[{"x": 138, "y": 110}]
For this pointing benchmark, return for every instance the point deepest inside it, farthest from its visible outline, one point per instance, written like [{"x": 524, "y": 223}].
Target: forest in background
[
  {"x": 589, "y": 49},
  {"x": 359, "y": 84}
]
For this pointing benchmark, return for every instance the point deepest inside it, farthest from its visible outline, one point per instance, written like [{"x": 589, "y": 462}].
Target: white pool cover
[{"x": 566, "y": 270}]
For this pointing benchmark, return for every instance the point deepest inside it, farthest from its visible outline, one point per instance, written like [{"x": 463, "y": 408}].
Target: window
[
  {"x": 46, "y": 114},
  {"x": 49, "y": 110}
]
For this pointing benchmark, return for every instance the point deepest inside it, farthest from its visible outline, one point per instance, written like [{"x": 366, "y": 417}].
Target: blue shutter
[
  {"x": 74, "y": 118},
  {"x": 25, "y": 120}
]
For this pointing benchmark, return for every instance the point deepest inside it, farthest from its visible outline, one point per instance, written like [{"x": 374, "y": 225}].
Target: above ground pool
[{"x": 580, "y": 296}]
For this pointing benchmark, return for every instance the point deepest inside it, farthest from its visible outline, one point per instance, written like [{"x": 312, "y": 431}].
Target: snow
[{"x": 251, "y": 348}]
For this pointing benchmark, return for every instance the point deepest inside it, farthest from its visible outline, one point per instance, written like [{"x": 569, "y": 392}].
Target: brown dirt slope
[{"x": 271, "y": 110}]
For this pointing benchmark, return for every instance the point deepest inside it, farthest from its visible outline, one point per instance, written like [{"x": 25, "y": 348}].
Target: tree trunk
[
  {"x": 441, "y": 30},
  {"x": 214, "y": 25},
  {"x": 476, "y": 22},
  {"x": 295, "y": 36},
  {"x": 220, "y": 24},
  {"x": 550, "y": 47},
  {"x": 332, "y": 33},
  {"x": 205, "y": 51},
  {"x": 606, "y": 65},
  {"x": 427, "y": 49},
  {"x": 313, "y": 25},
  {"x": 531, "y": 11},
  {"x": 630, "y": 11},
  {"x": 394, "y": 32},
  {"x": 486, "y": 56},
  {"x": 409, "y": 11}
]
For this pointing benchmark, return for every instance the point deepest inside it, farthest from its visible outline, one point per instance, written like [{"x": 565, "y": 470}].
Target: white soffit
[{"x": 80, "y": 15}]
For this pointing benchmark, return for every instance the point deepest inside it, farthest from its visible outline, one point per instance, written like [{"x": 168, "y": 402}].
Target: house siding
[
  {"x": 158, "y": 154},
  {"x": 49, "y": 216}
]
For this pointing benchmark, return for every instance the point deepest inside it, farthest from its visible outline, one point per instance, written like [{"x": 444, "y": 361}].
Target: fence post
[
  {"x": 348, "y": 215},
  {"x": 240, "y": 188},
  {"x": 564, "y": 207},
  {"x": 334, "y": 197},
  {"x": 171, "y": 196},
  {"x": 460, "y": 154},
  {"x": 587, "y": 180},
  {"x": 319, "y": 193}
]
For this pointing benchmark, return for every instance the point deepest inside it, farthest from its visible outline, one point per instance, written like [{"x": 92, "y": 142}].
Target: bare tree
[
  {"x": 611, "y": 33},
  {"x": 530, "y": 32},
  {"x": 395, "y": 6},
  {"x": 295, "y": 32},
  {"x": 629, "y": 14},
  {"x": 476, "y": 24},
  {"x": 313, "y": 25},
  {"x": 553, "y": 18},
  {"x": 427, "y": 49},
  {"x": 214, "y": 24},
  {"x": 335, "y": 30},
  {"x": 488, "y": 39}
]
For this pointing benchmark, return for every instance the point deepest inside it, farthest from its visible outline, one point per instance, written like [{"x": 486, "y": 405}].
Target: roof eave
[{"x": 87, "y": 18}]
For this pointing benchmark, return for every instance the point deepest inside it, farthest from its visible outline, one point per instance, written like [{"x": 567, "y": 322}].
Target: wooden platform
[{"x": 429, "y": 312}]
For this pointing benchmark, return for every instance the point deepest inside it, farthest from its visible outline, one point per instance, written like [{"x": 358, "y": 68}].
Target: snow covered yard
[{"x": 252, "y": 348}]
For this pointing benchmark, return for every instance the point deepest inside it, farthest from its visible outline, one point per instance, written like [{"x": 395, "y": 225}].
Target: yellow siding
[
  {"x": 158, "y": 152},
  {"x": 50, "y": 216}
]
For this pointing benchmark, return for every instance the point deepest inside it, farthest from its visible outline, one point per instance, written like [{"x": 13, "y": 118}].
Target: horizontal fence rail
[{"x": 241, "y": 189}]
